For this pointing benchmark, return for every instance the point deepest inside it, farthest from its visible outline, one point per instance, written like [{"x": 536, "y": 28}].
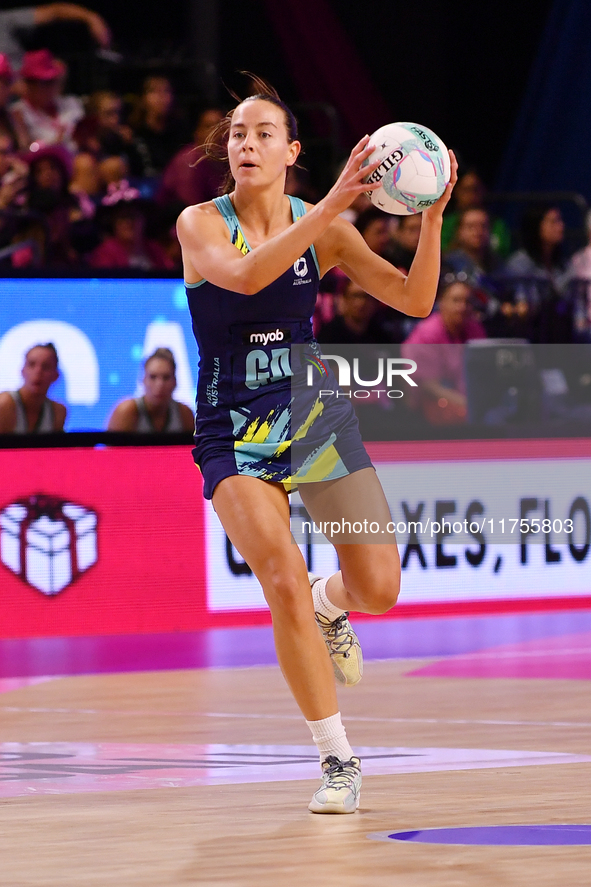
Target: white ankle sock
[
  {"x": 322, "y": 604},
  {"x": 330, "y": 738}
]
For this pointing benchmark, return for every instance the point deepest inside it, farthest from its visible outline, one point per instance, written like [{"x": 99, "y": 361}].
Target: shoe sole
[
  {"x": 341, "y": 678},
  {"x": 332, "y": 808}
]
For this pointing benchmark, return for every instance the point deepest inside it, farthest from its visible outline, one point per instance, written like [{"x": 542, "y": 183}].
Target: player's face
[
  {"x": 39, "y": 371},
  {"x": 259, "y": 151},
  {"x": 159, "y": 381}
]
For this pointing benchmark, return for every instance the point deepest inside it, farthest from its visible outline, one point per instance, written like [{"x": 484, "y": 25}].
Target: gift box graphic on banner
[{"x": 47, "y": 541}]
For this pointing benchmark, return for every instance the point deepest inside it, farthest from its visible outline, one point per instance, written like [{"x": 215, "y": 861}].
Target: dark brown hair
[
  {"x": 216, "y": 144},
  {"x": 49, "y": 346},
  {"x": 162, "y": 354}
]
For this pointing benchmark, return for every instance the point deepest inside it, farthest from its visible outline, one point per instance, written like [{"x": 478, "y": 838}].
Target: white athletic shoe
[
  {"x": 341, "y": 787},
  {"x": 343, "y": 646}
]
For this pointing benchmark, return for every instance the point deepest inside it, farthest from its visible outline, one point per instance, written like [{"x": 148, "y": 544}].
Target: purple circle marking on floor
[{"x": 507, "y": 835}]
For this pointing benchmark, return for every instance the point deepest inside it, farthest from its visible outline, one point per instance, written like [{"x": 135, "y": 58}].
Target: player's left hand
[{"x": 436, "y": 211}]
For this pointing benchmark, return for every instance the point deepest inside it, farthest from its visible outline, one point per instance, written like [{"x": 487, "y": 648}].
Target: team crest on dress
[{"x": 300, "y": 267}]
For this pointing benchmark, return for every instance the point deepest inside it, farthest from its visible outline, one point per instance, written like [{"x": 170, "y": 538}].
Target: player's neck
[{"x": 263, "y": 210}]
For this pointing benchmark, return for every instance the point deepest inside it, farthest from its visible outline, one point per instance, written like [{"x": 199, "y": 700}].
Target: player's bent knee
[
  {"x": 377, "y": 593},
  {"x": 383, "y": 597}
]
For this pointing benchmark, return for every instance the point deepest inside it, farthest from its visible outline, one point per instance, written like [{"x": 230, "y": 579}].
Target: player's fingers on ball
[
  {"x": 367, "y": 151},
  {"x": 360, "y": 147},
  {"x": 371, "y": 167},
  {"x": 454, "y": 166}
]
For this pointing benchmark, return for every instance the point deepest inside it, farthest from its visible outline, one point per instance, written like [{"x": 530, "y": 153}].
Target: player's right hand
[{"x": 352, "y": 180}]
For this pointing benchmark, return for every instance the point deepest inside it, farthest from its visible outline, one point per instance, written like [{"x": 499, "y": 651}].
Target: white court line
[
  {"x": 275, "y": 717},
  {"x": 78, "y": 767}
]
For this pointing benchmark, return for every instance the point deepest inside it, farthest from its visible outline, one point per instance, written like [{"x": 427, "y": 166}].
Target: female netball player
[{"x": 252, "y": 263}]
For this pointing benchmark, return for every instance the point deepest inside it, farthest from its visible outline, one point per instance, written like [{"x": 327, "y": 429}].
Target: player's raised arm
[
  {"x": 414, "y": 294},
  {"x": 207, "y": 250}
]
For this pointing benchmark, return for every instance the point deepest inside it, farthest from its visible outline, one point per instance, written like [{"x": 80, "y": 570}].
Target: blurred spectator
[
  {"x": 436, "y": 344},
  {"x": 542, "y": 237},
  {"x": 49, "y": 199},
  {"x": 578, "y": 274},
  {"x": 102, "y": 133},
  {"x": 158, "y": 132},
  {"x": 13, "y": 182},
  {"x": 13, "y": 173},
  {"x": 156, "y": 411},
  {"x": 45, "y": 115},
  {"x": 473, "y": 257},
  {"x": 404, "y": 241},
  {"x": 539, "y": 271},
  {"x": 374, "y": 227},
  {"x": 112, "y": 171},
  {"x": 126, "y": 244},
  {"x": 9, "y": 125},
  {"x": 470, "y": 193},
  {"x": 191, "y": 176},
  {"x": 298, "y": 184},
  {"x": 14, "y": 22},
  {"x": 471, "y": 250},
  {"x": 29, "y": 410},
  {"x": 85, "y": 181},
  {"x": 357, "y": 323},
  {"x": 580, "y": 263}
]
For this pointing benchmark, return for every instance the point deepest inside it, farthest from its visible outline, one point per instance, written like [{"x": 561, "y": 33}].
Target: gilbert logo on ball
[
  {"x": 414, "y": 168},
  {"x": 47, "y": 542}
]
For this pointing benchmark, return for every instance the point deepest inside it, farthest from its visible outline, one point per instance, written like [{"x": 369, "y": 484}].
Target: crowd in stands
[
  {"x": 523, "y": 284},
  {"x": 95, "y": 183},
  {"x": 99, "y": 181}
]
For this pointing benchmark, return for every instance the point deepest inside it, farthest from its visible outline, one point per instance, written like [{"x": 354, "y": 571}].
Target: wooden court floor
[{"x": 58, "y": 827}]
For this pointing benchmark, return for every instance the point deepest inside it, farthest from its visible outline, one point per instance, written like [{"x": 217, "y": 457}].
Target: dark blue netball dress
[{"x": 263, "y": 406}]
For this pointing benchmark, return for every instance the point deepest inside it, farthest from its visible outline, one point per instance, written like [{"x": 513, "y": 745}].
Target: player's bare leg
[
  {"x": 369, "y": 579},
  {"x": 255, "y": 515}
]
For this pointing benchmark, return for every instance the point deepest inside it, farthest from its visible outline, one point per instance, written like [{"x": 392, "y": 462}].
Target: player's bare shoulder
[
  {"x": 59, "y": 414},
  {"x": 7, "y": 412},
  {"x": 196, "y": 219}
]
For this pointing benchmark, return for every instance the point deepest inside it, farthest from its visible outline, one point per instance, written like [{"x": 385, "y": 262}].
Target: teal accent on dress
[{"x": 228, "y": 213}]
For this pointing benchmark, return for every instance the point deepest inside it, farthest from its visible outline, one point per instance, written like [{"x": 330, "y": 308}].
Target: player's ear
[{"x": 294, "y": 151}]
